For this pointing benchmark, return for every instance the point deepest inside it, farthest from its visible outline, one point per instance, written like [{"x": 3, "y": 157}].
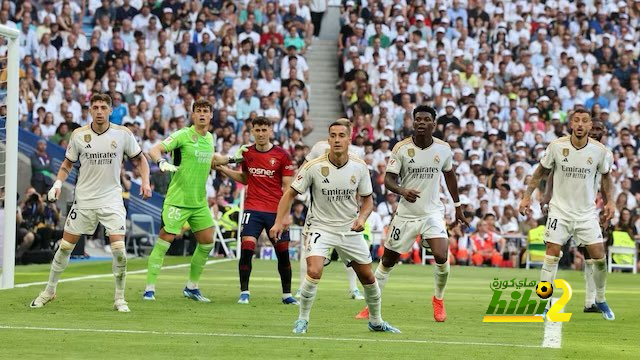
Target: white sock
[
  {"x": 308, "y": 291},
  {"x": 286, "y": 296},
  {"x": 589, "y": 283},
  {"x": 59, "y": 263},
  {"x": 352, "y": 277},
  {"x": 150, "y": 287},
  {"x": 373, "y": 298},
  {"x": 600, "y": 278},
  {"x": 303, "y": 265},
  {"x": 441, "y": 274},
  {"x": 119, "y": 267},
  {"x": 191, "y": 285},
  {"x": 549, "y": 268},
  {"x": 382, "y": 275},
  {"x": 244, "y": 292}
]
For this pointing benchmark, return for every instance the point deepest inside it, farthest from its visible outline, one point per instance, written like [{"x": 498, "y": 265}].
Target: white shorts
[
  {"x": 85, "y": 221},
  {"x": 349, "y": 246},
  {"x": 403, "y": 232},
  {"x": 585, "y": 232}
]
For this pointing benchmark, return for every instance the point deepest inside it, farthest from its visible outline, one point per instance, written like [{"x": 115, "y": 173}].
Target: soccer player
[
  {"x": 420, "y": 161},
  {"x": 100, "y": 148},
  {"x": 576, "y": 161},
  {"x": 267, "y": 170},
  {"x": 596, "y": 133},
  {"x": 319, "y": 149},
  {"x": 193, "y": 157},
  {"x": 335, "y": 221}
]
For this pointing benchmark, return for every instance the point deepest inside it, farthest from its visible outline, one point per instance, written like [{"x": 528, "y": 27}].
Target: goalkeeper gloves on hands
[
  {"x": 238, "y": 156},
  {"x": 164, "y": 166}
]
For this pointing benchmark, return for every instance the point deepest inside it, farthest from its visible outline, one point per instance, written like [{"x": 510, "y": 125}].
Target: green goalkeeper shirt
[{"x": 192, "y": 153}]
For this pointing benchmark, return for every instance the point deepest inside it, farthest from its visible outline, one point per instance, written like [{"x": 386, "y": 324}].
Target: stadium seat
[
  {"x": 141, "y": 233},
  {"x": 623, "y": 251}
]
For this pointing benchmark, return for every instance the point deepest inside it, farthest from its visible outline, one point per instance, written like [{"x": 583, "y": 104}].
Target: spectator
[{"x": 41, "y": 169}]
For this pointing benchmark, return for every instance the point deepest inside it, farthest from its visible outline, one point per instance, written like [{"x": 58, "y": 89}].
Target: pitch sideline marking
[
  {"x": 88, "y": 277},
  {"x": 257, "y": 336}
]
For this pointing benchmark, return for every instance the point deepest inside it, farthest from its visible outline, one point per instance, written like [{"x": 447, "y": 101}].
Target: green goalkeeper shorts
[{"x": 173, "y": 218}]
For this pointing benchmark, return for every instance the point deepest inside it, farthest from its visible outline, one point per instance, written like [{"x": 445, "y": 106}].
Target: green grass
[{"x": 406, "y": 304}]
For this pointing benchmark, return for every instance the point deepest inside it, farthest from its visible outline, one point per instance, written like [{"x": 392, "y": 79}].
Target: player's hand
[
  {"x": 54, "y": 192},
  {"x": 276, "y": 231},
  {"x": 411, "y": 195},
  {"x": 164, "y": 166},
  {"x": 545, "y": 209},
  {"x": 524, "y": 207},
  {"x": 358, "y": 225},
  {"x": 461, "y": 218},
  {"x": 145, "y": 191},
  {"x": 609, "y": 211}
]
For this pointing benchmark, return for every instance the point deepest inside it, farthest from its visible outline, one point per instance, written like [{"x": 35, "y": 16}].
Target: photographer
[{"x": 40, "y": 218}]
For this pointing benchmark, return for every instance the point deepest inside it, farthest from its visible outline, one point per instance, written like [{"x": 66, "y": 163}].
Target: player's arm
[
  {"x": 366, "y": 207},
  {"x": 219, "y": 159},
  {"x": 548, "y": 191},
  {"x": 607, "y": 191},
  {"x": 284, "y": 208},
  {"x": 286, "y": 183},
  {"x": 239, "y": 176},
  {"x": 540, "y": 173},
  {"x": 452, "y": 186},
  {"x": 391, "y": 183},
  {"x": 63, "y": 174},
  {"x": 156, "y": 156},
  {"x": 143, "y": 168}
]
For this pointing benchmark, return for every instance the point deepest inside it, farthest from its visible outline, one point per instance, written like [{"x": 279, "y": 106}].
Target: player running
[
  {"x": 334, "y": 221},
  {"x": 596, "y": 133},
  {"x": 420, "y": 161},
  {"x": 319, "y": 149},
  {"x": 576, "y": 161},
  {"x": 267, "y": 170},
  {"x": 193, "y": 157},
  {"x": 100, "y": 148}
]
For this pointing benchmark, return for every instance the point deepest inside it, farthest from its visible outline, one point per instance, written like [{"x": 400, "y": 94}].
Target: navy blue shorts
[{"x": 253, "y": 222}]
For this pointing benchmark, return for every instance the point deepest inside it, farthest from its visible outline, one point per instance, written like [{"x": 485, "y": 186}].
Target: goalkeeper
[{"x": 192, "y": 151}]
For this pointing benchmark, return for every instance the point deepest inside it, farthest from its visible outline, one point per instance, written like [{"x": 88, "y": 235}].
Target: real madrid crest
[
  {"x": 437, "y": 159},
  {"x": 565, "y": 152},
  {"x": 114, "y": 144},
  {"x": 589, "y": 160},
  {"x": 411, "y": 152},
  {"x": 353, "y": 179},
  {"x": 324, "y": 171},
  {"x": 87, "y": 138},
  {"x": 194, "y": 138}
]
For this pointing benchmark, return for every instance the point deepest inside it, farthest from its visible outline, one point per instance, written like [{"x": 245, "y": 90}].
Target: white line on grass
[
  {"x": 257, "y": 336},
  {"x": 143, "y": 271},
  {"x": 552, "y": 337}
]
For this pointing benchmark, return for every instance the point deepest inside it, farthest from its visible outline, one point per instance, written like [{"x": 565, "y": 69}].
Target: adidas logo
[
  {"x": 88, "y": 146},
  {"x": 121, "y": 227},
  {"x": 325, "y": 181},
  {"x": 565, "y": 160},
  {"x": 412, "y": 161}
]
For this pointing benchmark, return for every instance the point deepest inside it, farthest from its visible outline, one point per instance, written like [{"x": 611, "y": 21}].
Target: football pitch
[{"x": 80, "y": 324}]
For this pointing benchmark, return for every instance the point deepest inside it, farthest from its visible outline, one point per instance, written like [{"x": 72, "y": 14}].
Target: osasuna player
[
  {"x": 576, "y": 161},
  {"x": 193, "y": 157},
  {"x": 321, "y": 148},
  {"x": 596, "y": 133},
  {"x": 100, "y": 148},
  {"x": 267, "y": 170},
  {"x": 420, "y": 161},
  {"x": 334, "y": 222}
]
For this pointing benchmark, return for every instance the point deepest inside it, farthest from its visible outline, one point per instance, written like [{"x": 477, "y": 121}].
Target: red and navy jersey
[{"x": 264, "y": 177}]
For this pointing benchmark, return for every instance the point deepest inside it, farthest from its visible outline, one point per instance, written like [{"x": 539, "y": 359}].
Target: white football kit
[
  {"x": 98, "y": 193},
  {"x": 334, "y": 207},
  {"x": 419, "y": 169},
  {"x": 572, "y": 209},
  {"x": 322, "y": 148}
]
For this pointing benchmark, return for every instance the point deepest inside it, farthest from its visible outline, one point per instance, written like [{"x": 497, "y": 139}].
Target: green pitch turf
[{"x": 80, "y": 324}]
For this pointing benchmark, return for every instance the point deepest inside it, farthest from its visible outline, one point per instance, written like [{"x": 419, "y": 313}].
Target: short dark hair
[
  {"x": 261, "y": 120},
  {"x": 424, "y": 108},
  {"x": 579, "y": 111},
  {"x": 202, "y": 103},
  {"x": 101, "y": 97}
]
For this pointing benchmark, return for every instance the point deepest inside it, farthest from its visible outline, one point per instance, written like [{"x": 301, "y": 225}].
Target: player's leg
[
  {"x": 589, "y": 233},
  {"x": 589, "y": 283},
  {"x": 172, "y": 220},
  {"x": 284, "y": 268},
  {"x": 78, "y": 222},
  {"x": 557, "y": 233},
  {"x": 202, "y": 226},
  {"x": 251, "y": 229},
  {"x": 435, "y": 233},
  {"x": 354, "y": 292},
  {"x": 355, "y": 251},
  {"x": 114, "y": 220}
]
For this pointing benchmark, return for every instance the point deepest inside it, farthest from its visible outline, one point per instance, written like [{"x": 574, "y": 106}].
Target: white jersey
[
  {"x": 334, "y": 206},
  {"x": 100, "y": 157},
  {"x": 575, "y": 177},
  {"x": 322, "y": 147},
  {"x": 420, "y": 169}
]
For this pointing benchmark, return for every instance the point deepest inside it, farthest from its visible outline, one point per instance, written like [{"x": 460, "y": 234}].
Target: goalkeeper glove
[
  {"x": 164, "y": 166},
  {"x": 238, "y": 156},
  {"x": 52, "y": 195}
]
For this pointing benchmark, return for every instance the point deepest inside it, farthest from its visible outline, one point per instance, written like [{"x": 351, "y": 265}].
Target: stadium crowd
[{"x": 503, "y": 74}]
